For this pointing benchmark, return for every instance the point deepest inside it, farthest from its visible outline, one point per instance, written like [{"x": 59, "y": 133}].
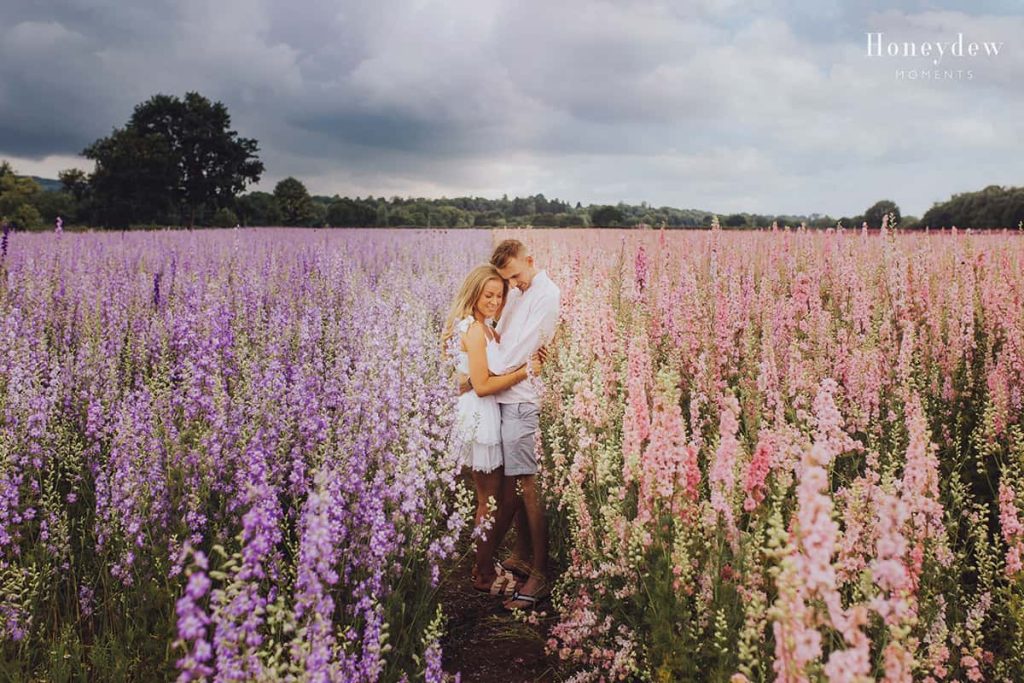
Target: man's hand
[
  {"x": 464, "y": 383},
  {"x": 542, "y": 354}
]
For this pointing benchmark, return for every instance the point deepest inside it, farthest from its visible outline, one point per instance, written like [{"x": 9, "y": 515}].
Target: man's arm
[{"x": 538, "y": 328}]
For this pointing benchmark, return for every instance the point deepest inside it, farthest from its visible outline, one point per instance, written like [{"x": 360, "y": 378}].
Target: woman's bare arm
[{"x": 484, "y": 383}]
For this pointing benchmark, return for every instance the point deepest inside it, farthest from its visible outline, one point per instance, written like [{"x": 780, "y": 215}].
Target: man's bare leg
[
  {"x": 511, "y": 512},
  {"x": 533, "y": 505},
  {"x": 523, "y": 545},
  {"x": 511, "y": 502}
]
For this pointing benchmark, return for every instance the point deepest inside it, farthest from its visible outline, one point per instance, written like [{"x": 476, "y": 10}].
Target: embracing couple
[{"x": 504, "y": 314}]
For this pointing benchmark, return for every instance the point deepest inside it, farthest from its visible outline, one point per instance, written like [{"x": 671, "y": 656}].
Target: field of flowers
[
  {"x": 782, "y": 455},
  {"x": 787, "y": 455},
  {"x": 224, "y": 453}
]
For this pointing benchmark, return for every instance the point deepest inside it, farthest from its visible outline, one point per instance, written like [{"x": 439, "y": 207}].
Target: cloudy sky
[{"x": 768, "y": 106}]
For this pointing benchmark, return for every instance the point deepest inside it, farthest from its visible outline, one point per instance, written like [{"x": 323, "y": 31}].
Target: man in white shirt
[{"x": 527, "y": 323}]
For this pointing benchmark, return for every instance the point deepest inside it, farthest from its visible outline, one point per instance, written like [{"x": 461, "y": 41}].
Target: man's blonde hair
[{"x": 506, "y": 251}]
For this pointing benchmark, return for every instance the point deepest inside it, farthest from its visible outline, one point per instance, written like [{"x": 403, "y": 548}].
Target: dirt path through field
[{"x": 485, "y": 643}]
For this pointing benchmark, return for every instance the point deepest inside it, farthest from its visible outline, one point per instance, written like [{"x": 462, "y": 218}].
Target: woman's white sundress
[{"x": 478, "y": 421}]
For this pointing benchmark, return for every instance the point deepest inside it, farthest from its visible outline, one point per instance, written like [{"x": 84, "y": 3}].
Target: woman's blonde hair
[{"x": 472, "y": 288}]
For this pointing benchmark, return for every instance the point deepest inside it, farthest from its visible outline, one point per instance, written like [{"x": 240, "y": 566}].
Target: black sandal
[{"x": 532, "y": 600}]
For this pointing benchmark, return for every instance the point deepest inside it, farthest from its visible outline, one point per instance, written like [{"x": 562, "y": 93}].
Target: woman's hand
[{"x": 536, "y": 363}]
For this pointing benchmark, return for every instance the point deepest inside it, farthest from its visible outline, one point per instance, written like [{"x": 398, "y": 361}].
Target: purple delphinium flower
[
  {"x": 316, "y": 574},
  {"x": 156, "y": 288},
  {"x": 271, "y": 394},
  {"x": 239, "y": 608},
  {"x": 86, "y": 600},
  {"x": 192, "y": 624},
  {"x": 131, "y": 491},
  {"x": 434, "y": 671}
]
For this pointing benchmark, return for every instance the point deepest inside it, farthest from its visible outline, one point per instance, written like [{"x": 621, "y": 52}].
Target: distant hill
[{"x": 48, "y": 184}]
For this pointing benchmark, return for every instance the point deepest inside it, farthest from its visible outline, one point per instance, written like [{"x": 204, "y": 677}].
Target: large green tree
[
  {"x": 134, "y": 180},
  {"x": 75, "y": 182},
  {"x": 873, "y": 216},
  {"x": 174, "y": 159},
  {"x": 295, "y": 203},
  {"x": 993, "y": 207},
  {"x": 18, "y": 195}
]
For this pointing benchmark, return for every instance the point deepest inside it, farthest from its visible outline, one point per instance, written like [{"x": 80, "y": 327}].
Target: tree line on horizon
[{"x": 176, "y": 162}]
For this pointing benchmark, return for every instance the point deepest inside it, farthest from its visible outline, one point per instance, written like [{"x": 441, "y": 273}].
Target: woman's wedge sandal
[
  {"x": 518, "y": 567},
  {"x": 504, "y": 583}
]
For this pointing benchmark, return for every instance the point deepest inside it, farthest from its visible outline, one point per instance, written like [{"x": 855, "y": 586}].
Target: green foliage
[
  {"x": 993, "y": 207},
  {"x": 259, "y": 208},
  {"x": 351, "y": 212},
  {"x": 910, "y": 222},
  {"x": 75, "y": 182},
  {"x": 874, "y": 215},
  {"x": 735, "y": 220},
  {"x": 17, "y": 199},
  {"x": 295, "y": 203},
  {"x": 27, "y": 217},
  {"x": 225, "y": 218},
  {"x": 175, "y": 159},
  {"x": 50, "y": 205},
  {"x": 607, "y": 216},
  {"x": 134, "y": 179}
]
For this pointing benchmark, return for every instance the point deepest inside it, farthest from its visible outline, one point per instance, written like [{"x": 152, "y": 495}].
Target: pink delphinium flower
[
  {"x": 852, "y": 665},
  {"x": 920, "y": 491},
  {"x": 757, "y": 473},
  {"x": 999, "y": 396},
  {"x": 1011, "y": 527},
  {"x": 810, "y": 566},
  {"x": 829, "y": 424},
  {"x": 641, "y": 273},
  {"x": 895, "y": 602},
  {"x": 797, "y": 642},
  {"x": 665, "y": 473},
  {"x": 636, "y": 423},
  {"x": 888, "y": 569},
  {"x": 723, "y": 471}
]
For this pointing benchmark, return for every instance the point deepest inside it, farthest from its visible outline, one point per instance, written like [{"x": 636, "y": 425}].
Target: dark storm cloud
[{"x": 727, "y": 104}]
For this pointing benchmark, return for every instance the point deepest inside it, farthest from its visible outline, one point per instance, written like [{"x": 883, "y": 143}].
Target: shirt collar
[{"x": 541, "y": 276}]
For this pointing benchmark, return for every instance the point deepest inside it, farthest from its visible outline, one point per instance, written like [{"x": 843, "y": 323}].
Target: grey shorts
[{"x": 519, "y": 433}]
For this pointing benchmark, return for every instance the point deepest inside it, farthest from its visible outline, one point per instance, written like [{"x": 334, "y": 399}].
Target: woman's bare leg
[{"x": 488, "y": 486}]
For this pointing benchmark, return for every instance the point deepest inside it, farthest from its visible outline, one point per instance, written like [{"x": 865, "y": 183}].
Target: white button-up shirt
[{"x": 527, "y": 322}]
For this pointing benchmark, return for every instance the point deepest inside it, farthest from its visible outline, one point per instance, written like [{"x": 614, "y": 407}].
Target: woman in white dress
[{"x": 474, "y": 348}]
